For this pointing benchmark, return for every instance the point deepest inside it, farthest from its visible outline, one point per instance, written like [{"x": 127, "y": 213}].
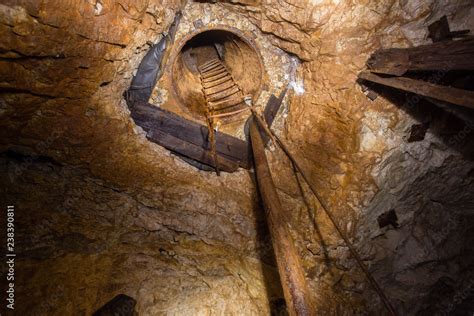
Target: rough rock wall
[
  {"x": 146, "y": 224},
  {"x": 81, "y": 241},
  {"x": 358, "y": 155}
]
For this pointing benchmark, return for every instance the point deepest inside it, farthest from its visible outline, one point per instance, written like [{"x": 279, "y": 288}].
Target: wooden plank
[
  {"x": 226, "y": 103},
  {"x": 217, "y": 82},
  {"x": 271, "y": 110},
  {"x": 214, "y": 73},
  {"x": 295, "y": 288},
  {"x": 323, "y": 205},
  {"x": 212, "y": 67},
  {"x": 210, "y": 63},
  {"x": 443, "y": 93},
  {"x": 272, "y": 107},
  {"x": 150, "y": 117},
  {"x": 444, "y": 56},
  {"x": 218, "y": 88},
  {"x": 214, "y": 78},
  {"x": 224, "y": 94},
  {"x": 190, "y": 150}
]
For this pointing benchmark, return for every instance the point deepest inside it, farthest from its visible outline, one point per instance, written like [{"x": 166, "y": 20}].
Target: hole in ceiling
[{"x": 240, "y": 60}]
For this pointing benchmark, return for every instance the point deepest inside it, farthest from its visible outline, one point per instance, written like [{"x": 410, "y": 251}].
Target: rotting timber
[
  {"x": 295, "y": 289},
  {"x": 191, "y": 139},
  {"x": 406, "y": 69}
]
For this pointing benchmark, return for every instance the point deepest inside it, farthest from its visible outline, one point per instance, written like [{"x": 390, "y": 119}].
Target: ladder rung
[
  {"x": 215, "y": 70},
  {"x": 216, "y": 82},
  {"x": 213, "y": 73},
  {"x": 227, "y": 103},
  {"x": 223, "y": 86},
  {"x": 224, "y": 94},
  {"x": 211, "y": 67},
  {"x": 211, "y": 79}
]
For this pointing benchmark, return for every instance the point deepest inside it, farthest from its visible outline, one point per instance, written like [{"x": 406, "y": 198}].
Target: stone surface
[
  {"x": 81, "y": 241},
  {"x": 102, "y": 211}
]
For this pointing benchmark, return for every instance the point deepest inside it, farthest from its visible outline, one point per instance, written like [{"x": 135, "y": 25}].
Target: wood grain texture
[
  {"x": 190, "y": 150},
  {"x": 443, "y": 93}
]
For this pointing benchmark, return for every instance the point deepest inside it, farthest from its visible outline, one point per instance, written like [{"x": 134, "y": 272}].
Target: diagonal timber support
[{"x": 295, "y": 289}]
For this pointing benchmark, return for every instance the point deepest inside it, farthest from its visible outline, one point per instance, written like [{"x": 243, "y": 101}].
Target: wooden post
[{"x": 292, "y": 277}]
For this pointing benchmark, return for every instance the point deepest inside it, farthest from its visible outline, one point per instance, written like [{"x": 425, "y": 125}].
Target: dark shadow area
[
  {"x": 206, "y": 46},
  {"x": 447, "y": 242},
  {"x": 121, "y": 304}
]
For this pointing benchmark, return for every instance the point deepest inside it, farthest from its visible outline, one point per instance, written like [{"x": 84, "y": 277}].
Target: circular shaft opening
[{"x": 214, "y": 71}]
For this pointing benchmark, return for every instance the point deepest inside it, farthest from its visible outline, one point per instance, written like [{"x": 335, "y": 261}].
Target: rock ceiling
[{"x": 101, "y": 210}]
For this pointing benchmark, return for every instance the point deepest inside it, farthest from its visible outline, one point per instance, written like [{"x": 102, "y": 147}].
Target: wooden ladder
[{"x": 223, "y": 97}]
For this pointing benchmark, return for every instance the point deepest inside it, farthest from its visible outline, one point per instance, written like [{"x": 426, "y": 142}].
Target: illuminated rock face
[{"x": 102, "y": 211}]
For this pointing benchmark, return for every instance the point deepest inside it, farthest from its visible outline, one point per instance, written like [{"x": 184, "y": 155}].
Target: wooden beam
[
  {"x": 351, "y": 247},
  {"x": 443, "y": 93},
  {"x": 295, "y": 289},
  {"x": 151, "y": 118},
  {"x": 190, "y": 150},
  {"x": 443, "y": 56}
]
